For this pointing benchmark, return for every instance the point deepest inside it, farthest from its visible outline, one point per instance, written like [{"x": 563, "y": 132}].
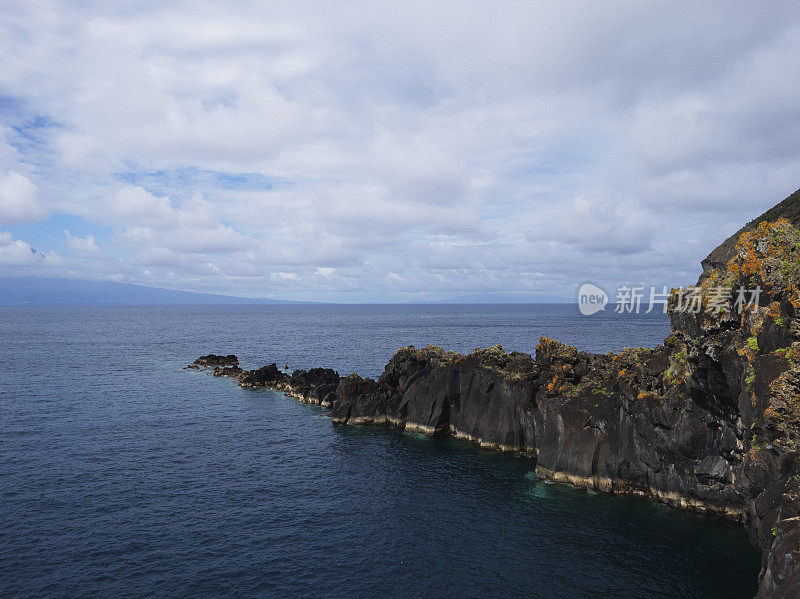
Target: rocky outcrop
[
  {"x": 266, "y": 376},
  {"x": 709, "y": 421},
  {"x": 788, "y": 209},
  {"x": 485, "y": 396},
  {"x": 215, "y": 360},
  {"x": 617, "y": 423},
  {"x": 233, "y": 371},
  {"x": 317, "y": 386}
]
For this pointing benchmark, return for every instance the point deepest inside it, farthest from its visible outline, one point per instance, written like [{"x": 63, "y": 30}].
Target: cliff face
[
  {"x": 486, "y": 396},
  {"x": 709, "y": 421},
  {"x": 621, "y": 423}
]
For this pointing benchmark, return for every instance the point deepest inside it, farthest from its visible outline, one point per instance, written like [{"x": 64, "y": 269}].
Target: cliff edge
[{"x": 788, "y": 209}]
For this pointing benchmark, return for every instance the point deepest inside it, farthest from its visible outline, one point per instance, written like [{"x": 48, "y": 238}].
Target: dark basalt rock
[
  {"x": 215, "y": 360},
  {"x": 709, "y": 421},
  {"x": 234, "y": 371},
  {"x": 266, "y": 376},
  {"x": 363, "y": 401},
  {"x": 317, "y": 385}
]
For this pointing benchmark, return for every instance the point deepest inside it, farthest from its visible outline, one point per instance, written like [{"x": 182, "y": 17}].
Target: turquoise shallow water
[{"x": 121, "y": 474}]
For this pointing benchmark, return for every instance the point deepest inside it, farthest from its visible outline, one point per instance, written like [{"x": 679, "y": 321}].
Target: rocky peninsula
[{"x": 709, "y": 421}]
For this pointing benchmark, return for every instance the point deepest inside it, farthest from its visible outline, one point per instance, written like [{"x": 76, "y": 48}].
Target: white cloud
[
  {"x": 9, "y": 156},
  {"x": 17, "y": 253},
  {"x": 151, "y": 221},
  {"x": 82, "y": 246},
  {"x": 410, "y": 147},
  {"x": 601, "y": 224},
  {"x": 133, "y": 206},
  {"x": 18, "y": 200}
]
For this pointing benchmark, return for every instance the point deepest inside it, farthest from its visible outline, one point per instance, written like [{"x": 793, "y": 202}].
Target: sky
[{"x": 382, "y": 152}]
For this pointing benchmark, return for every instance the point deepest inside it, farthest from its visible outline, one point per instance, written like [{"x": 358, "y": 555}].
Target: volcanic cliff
[{"x": 708, "y": 421}]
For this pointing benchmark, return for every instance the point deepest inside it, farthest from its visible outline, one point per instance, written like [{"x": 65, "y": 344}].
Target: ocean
[{"x": 124, "y": 475}]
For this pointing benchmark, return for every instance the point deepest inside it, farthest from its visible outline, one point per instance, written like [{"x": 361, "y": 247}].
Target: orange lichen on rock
[
  {"x": 769, "y": 256},
  {"x": 774, "y": 310},
  {"x": 772, "y": 414}
]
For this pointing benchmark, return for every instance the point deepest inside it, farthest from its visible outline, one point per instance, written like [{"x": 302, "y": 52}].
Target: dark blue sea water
[{"x": 123, "y": 475}]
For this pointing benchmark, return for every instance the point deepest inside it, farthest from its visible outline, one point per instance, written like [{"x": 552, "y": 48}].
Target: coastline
[
  {"x": 707, "y": 422},
  {"x": 602, "y": 484}
]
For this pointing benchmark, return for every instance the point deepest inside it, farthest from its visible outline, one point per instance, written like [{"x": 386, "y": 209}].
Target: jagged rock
[
  {"x": 317, "y": 385},
  {"x": 215, "y": 360},
  {"x": 234, "y": 371},
  {"x": 719, "y": 257},
  {"x": 266, "y": 376},
  {"x": 367, "y": 401}
]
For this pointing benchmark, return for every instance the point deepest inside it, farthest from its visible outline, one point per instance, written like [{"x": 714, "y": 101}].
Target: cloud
[
  {"x": 134, "y": 206},
  {"x": 9, "y": 156},
  {"x": 605, "y": 225},
  {"x": 82, "y": 246},
  {"x": 18, "y": 200},
  {"x": 410, "y": 148},
  {"x": 17, "y": 253},
  {"x": 151, "y": 220}
]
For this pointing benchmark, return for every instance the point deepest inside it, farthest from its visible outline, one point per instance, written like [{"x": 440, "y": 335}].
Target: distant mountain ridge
[{"x": 75, "y": 292}]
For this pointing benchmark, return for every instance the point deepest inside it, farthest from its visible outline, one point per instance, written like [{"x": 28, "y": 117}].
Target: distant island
[
  {"x": 34, "y": 291},
  {"x": 709, "y": 421},
  {"x": 75, "y": 292}
]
